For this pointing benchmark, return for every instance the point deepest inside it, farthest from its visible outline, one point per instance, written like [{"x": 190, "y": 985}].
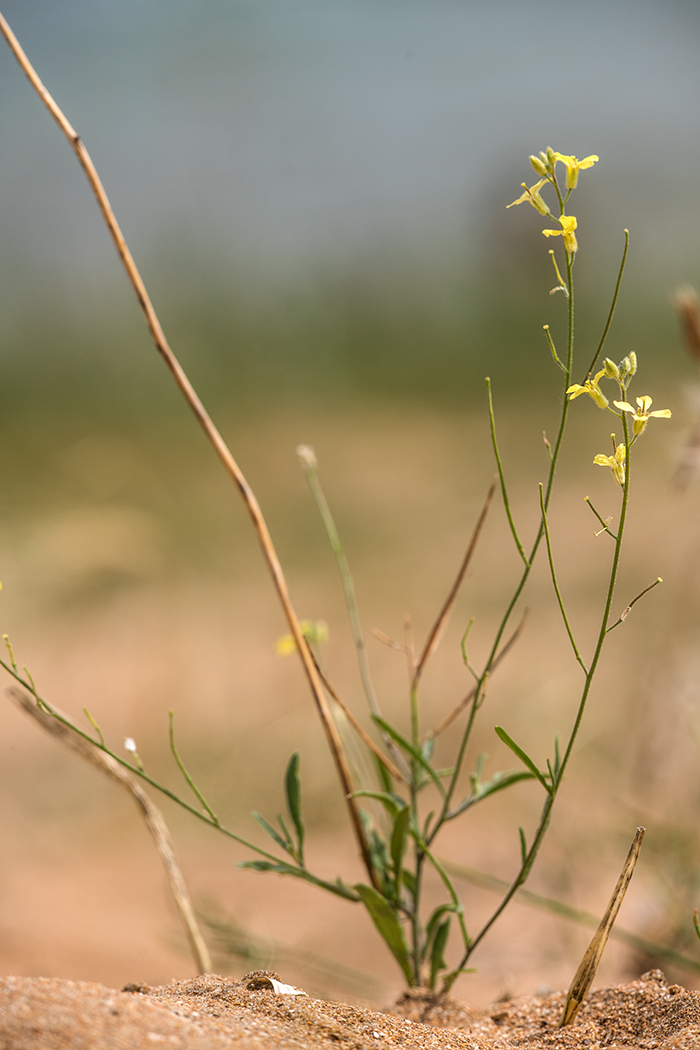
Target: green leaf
[
  {"x": 498, "y": 782},
  {"x": 437, "y": 952},
  {"x": 433, "y": 921},
  {"x": 280, "y": 868},
  {"x": 393, "y": 804},
  {"x": 286, "y": 846},
  {"x": 523, "y": 846},
  {"x": 399, "y": 837},
  {"x": 386, "y": 920},
  {"x": 523, "y": 756},
  {"x": 410, "y": 749},
  {"x": 409, "y": 881},
  {"x": 292, "y": 785},
  {"x": 383, "y": 774}
]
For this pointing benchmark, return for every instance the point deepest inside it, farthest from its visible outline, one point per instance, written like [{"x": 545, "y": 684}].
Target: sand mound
[{"x": 39, "y": 1013}]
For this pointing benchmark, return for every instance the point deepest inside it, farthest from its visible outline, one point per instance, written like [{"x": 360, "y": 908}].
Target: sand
[{"x": 41, "y": 1013}]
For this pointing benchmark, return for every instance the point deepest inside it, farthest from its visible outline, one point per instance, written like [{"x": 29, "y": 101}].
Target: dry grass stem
[
  {"x": 364, "y": 736},
  {"x": 210, "y": 430},
  {"x": 150, "y": 812},
  {"x": 584, "y": 976},
  {"x": 443, "y": 616},
  {"x": 449, "y": 719}
]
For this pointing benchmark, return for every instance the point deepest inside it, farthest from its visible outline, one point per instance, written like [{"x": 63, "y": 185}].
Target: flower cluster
[
  {"x": 621, "y": 374},
  {"x": 545, "y": 166}
]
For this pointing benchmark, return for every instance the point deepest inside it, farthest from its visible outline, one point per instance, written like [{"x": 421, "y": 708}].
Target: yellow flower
[
  {"x": 591, "y": 388},
  {"x": 573, "y": 166},
  {"x": 315, "y": 632},
  {"x": 642, "y": 415},
  {"x": 568, "y": 225},
  {"x": 532, "y": 196},
  {"x": 616, "y": 462}
]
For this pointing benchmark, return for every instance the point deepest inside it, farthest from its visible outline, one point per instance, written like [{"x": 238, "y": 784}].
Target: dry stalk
[
  {"x": 449, "y": 719},
  {"x": 364, "y": 736},
  {"x": 212, "y": 433},
  {"x": 443, "y": 616},
  {"x": 150, "y": 812},
  {"x": 584, "y": 976}
]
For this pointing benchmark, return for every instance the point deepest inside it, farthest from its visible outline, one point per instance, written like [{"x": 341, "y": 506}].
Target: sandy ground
[{"x": 215, "y": 1012}]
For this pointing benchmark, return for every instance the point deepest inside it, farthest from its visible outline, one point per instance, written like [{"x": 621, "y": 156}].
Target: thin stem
[
  {"x": 181, "y": 765},
  {"x": 365, "y": 737},
  {"x": 604, "y": 523},
  {"x": 555, "y": 583},
  {"x": 48, "y": 709},
  {"x": 578, "y": 915},
  {"x": 552, "y": 348},
  {"x": 459, "y": 911},
  {"x": 449, "y": 719},
  {"x": 625, "y": 612},
  {"x": 604, "y": 336},
  {"x": 309, "y": 464},
  {"x": 213, "y": 435},
  {"x": 504, "y": 491},
  {"x": 557, "y": 780},
  {"x": 433, "y": 639}
]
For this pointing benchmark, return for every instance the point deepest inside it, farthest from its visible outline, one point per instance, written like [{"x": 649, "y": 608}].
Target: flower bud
[
  {"x": 539, "y": 166},
  {"x": 632, "y": 358},
  {"x": 307, "y": 457},
  {"x": 611, "y": 369}
]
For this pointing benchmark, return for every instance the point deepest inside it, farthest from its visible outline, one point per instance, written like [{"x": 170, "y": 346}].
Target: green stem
[
  {"x": 557, "y": 780},
  {"x": 529, "y": 561},
  {"x": 45, "y": 706},
  {"x": 310, "y": 468},
  {"x": 604, "y": 336},
  {"x": 553, "y": 573},
  {"x": 504, "y": 491}
]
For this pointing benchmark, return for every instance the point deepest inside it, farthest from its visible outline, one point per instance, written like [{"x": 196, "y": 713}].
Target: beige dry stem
[
  {"x": 151, "y": 814},
  {"x": 211, "y": 432},
  {"x": 583, "y": 979}
]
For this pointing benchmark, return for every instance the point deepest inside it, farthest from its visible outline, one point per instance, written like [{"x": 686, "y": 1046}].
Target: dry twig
[
  {"x": 212, "y": 433},
  {"x": 150, "y": 812}
]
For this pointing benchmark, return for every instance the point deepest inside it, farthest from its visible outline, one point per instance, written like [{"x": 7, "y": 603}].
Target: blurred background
[{"x": 315, "y": 193}]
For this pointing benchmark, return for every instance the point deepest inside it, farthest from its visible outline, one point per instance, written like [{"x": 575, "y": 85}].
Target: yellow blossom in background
[
  {"x": 616, "y": 462},
  {"x": 568, "y": 225},
  {"x": 315, "y": 632},
  {"x": 591, "y": 388},
  {"x": 533, "y": 197},
  {"x": 573, "y": 166},
  {"x": 642, "y": 415}
]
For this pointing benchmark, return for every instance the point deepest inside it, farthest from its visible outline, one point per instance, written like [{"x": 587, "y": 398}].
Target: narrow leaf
[
  {"x": 292, "y": 785},
  {"x": 410, "y": 749},
  {"x": 399, "y": 837},
  {"x": 433, "y": 921},
  {"x": 523, "y": 756},
  {"x": 523, "y": 846},
  {"x": 393, "y": 804},
  {"x": 437, "y": 954},
  {"x": 384, "y": 775},
  {"x": 498, "y": 782},
  {"x": 268, "y": 828},
  {"x": 384, "y": 917},
  {"x": 338, "y": 887}
]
